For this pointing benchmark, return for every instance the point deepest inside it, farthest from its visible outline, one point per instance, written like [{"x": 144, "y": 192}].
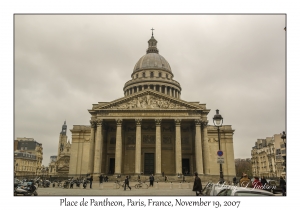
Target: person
[
  {"x": 139, "y": 178},
  {"x": 101, "y": 178},
  {"x": 126, "y": 183},
  {"x": 234, "y": 181},
  {"x": 197, "y": 185},
  {"x": 263, "y": 181},
  {"x": 282, "y": 183},
  {"x": 91, "y": 182},
  {"x": 256, "y": 183},
  {"x": 166, "y": 178},
  {"x": 151, "y": 178},
  {"x": 245, "y": 181}
]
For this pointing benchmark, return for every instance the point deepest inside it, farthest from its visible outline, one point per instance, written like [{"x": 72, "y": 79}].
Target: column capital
[
  {"x": 93, "y": 123},
  {"x": 99, "y": 122},
  {"x": 119, "y": 122},
  {"x": 158, "y": 121},
  {"x": 204, "y": 123},
  {"x": 197, "y": 122},
  {"x": 177, "y": 122},
  {"x": 138, "y": 121}
]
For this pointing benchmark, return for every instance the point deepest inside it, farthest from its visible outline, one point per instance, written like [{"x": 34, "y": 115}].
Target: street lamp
[
  {"x": 218, "y": 121},
  {"x": 283, "y": 136}
]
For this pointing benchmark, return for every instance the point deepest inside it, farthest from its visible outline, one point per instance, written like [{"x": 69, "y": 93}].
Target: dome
[{"x": 152, "y": 61}]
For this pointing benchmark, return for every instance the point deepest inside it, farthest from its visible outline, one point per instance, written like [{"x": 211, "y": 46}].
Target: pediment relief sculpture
[{"x": 149, "y": 102}]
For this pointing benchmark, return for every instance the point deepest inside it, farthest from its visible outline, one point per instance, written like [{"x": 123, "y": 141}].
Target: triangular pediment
[{"x": 148, "y": 99}]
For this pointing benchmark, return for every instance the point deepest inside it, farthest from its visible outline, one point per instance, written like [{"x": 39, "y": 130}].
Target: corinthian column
[
  {"x": 198, "y": 147},
  {"x": 138, "y": 145},
  {"x": 92, "y": 147},
  {"x": 158, "y": 147},
  {"x": 178, "y": 147},
  {"x": 98, "y": 148},
  {"x": 118, "y": 155},
  {"x": 205, "y": 148}
]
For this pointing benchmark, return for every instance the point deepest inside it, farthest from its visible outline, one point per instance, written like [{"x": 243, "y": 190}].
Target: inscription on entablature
[
  {"x": 149, "y": 114},
  {"x": 149, "y": 139}
]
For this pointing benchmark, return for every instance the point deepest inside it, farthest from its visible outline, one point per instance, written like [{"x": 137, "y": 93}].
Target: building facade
[
  {"x": 267, "y": 157},
  {"x": 28, "y": 157},
  {"x": 150, "y": 130}
]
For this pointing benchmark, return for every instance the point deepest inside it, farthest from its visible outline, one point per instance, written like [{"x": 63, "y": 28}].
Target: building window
[
  {"x": 144, "y": 74},
  {"x": 151, "y": 74},
  {"x": 159, "y": 74},
  {"x": 137, "y": 75},
  {"x": 167, "y": 75}
]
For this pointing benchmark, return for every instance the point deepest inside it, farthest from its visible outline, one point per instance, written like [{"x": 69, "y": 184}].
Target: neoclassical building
[{"x": 150, "y": 130}]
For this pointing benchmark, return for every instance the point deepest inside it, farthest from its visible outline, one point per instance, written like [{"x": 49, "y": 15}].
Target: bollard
[
  {"x": 171, "y": 185},
  {"x": 180, "y": 185}
]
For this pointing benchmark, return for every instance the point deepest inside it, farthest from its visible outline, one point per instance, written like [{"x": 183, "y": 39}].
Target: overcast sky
[{"x": 66, "y": 63}]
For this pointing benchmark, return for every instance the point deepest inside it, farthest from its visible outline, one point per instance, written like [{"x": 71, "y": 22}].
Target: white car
[
  {"x": 244, "y": 191},
  {"x": 212, "y": 189}
]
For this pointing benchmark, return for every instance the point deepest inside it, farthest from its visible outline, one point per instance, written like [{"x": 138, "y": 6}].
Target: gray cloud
[{"x": 66, "y": 63}]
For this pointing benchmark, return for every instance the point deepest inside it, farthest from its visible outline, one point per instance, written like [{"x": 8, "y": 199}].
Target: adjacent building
[
  {"x": 267, "y": 157},
  {"x": 151, "y": 130},
  {"x": 28, "y": 157},
  {"x": 59, "y": 165}
]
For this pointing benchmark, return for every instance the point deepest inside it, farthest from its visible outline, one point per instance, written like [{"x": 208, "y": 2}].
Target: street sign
[
  {"x": 220, "y": 153},
  {"x": 220, "y": 160}
]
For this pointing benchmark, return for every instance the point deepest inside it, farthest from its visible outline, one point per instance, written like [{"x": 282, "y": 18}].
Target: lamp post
[
  {"x": 218, "y": 121},
  {"x": 283, "y": 136}
]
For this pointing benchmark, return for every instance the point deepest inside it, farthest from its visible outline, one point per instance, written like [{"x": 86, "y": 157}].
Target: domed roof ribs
[{"x": 152, "y": 45}]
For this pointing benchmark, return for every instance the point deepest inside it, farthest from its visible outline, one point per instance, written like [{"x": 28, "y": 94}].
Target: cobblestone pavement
[{"x": 108, "y": 189}]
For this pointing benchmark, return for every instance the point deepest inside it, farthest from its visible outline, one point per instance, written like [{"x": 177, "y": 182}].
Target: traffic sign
[
  {"x": 220, "y": 153},
  {"x": 220, "y": 160}
]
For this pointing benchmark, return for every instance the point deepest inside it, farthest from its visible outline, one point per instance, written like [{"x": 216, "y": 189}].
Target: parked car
[
  {"x": 242, "y": 191},
  {"x": 212, "y": 189}
]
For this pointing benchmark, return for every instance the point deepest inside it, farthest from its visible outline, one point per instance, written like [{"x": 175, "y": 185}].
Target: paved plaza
[{"x": 109, "y": 189}]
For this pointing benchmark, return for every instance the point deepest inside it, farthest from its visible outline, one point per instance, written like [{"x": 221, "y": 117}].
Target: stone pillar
[
  {"x": 173, "y": 92},
  {"x": 118, "y": 154},
  {"x": 166, "y": 91},
  {"x": 206, "y": 154},
  {"x": 179, "y": 95},
  {"x": 142, "y": 87},
  {"x": 92, "y": 147},
  {"x": 98, "y": 149},
  {"x": 198, "y": 147},
  {"x": 138, "y": 146},
  {"x": 158, "y": 147},
  {"x": 160, "y": 89},
  {"x": 178, "y": 160},
  {"x": 137, "y": 89}
]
